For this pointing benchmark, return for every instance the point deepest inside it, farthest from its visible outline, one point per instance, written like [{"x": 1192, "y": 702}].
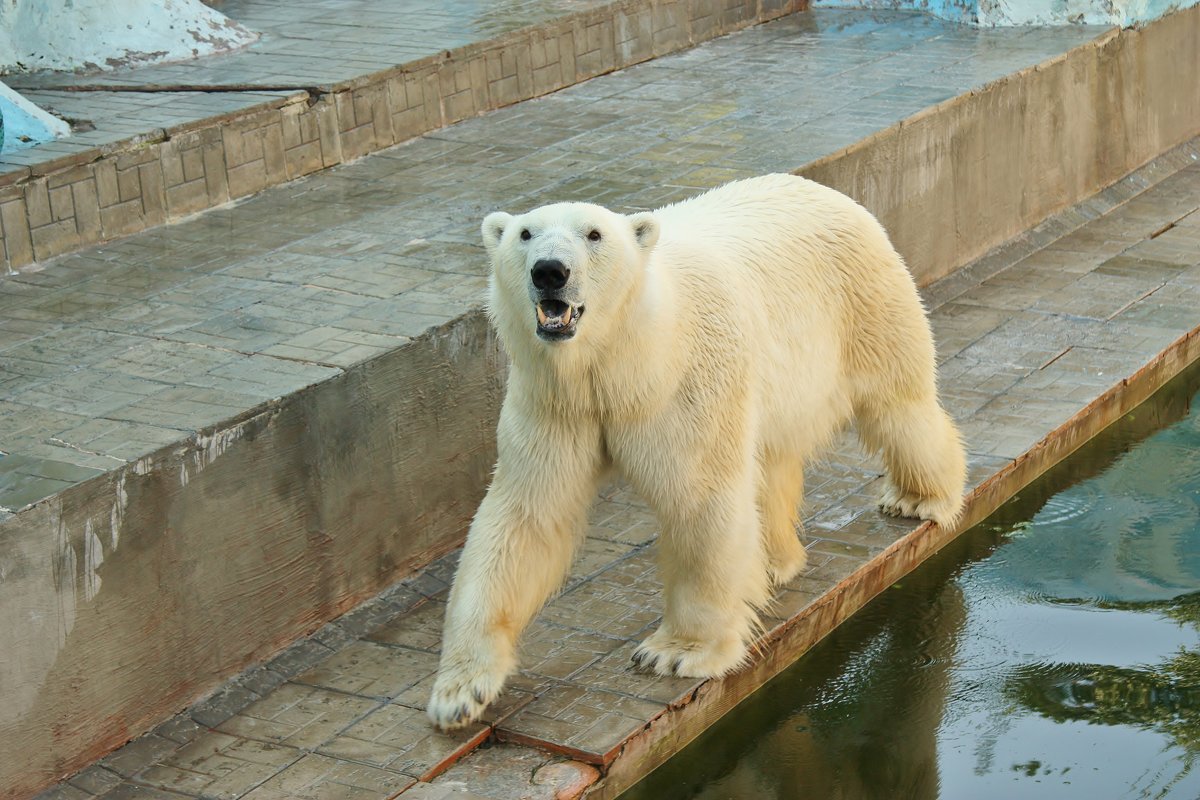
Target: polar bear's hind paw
[
  {"x": 896, "y": 503},
  {"x": 666, "y": 655}
]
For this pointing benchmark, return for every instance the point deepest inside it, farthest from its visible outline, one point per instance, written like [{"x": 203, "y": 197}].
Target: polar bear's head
[{"x": 553, "y": 264}]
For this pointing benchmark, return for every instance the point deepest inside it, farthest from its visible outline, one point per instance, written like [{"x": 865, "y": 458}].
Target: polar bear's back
[
  {"x": 779, "y": 229},
  {"x": 826, "y": 308},
  {"x": 787, "y": 244}
]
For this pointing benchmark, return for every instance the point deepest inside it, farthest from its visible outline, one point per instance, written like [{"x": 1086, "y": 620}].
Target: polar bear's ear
[
  {"x": 493, "y": 229},
  {"x": 645, "y": 229}
]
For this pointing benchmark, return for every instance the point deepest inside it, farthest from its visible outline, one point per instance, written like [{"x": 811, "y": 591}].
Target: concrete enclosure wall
[
  {"x": 962, "y": 177},
  {"x": 129, "y": 596}
]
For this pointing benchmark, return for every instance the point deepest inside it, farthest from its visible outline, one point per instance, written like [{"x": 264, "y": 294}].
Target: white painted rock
[{"x": 88, "y": 35}]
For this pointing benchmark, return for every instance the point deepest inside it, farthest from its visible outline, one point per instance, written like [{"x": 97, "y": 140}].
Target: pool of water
[{"x": 1053, "y": 651}]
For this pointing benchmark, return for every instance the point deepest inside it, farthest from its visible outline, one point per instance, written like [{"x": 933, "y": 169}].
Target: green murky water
[{"x": 1052, "y": 651}]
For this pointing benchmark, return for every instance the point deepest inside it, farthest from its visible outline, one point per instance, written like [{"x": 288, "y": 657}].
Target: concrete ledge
[
  {"x": 969, "y": 174},
  {"x": 133, "y": 594},
  {"x": 55, "y": 205}
]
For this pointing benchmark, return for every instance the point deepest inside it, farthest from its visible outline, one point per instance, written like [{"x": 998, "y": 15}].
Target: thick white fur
[{"x": 726, "y": 339}]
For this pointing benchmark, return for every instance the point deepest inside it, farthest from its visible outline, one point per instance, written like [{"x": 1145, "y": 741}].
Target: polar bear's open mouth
[{"x": 557, "y": 319}]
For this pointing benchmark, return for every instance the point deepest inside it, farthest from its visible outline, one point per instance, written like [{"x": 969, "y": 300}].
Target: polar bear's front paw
[
  {"x": 460, "y": 696},
  {"x": 897, "y": 503},
  {"x": 664, "y": 654}
]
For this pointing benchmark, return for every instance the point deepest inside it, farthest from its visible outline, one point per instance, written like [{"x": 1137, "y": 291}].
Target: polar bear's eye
[
  {"x": 594, "y": 235},
  {"x": 525, "y": 235}
]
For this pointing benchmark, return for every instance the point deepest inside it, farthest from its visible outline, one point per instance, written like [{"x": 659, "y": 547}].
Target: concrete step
[
  {"x": 326, "y": 84},
  {"x": 223, "y": 433}
]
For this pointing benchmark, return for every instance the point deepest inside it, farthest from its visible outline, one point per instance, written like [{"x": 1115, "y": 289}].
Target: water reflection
[{"x": 1053, "y": 651}]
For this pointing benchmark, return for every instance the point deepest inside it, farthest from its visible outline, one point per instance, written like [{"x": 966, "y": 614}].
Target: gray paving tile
[
  {"x": 373, "y": 670},
  {"x": 297, "y": 716},
  {"x": 25, "y": 480},
  {"x": 216, "y": 765},
  {"x": 65, "y": 792},
  {"x": 138, "y": 755},
  {"x": 317, "y": 777},
  {"x": 400, "y": 739}
]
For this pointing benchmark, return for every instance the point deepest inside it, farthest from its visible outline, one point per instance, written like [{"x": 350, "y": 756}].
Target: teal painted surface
[
  {"x": 24, "y": 124},
  {"x": 996, "y": 13},
  {"x": 963, "y": 11},
  {"x": 1050, "y": 653}
]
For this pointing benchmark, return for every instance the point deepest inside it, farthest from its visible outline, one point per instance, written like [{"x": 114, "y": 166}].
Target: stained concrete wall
[
  {"x": 960, "y": 178},
  {"x": 131, "y": 595}
]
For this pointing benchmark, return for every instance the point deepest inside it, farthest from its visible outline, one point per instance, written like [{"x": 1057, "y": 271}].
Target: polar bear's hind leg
[
  {"x": 923, "y": 454},
  {"x": 779, "y": 502}
]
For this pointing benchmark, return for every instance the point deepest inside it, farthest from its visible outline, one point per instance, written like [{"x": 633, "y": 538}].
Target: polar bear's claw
[
  {"x": 896, "y": 503},
  {"x": 459, "y": 701}
]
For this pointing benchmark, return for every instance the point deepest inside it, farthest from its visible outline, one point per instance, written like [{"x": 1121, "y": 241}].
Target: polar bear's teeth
[{"x": 553, "y": 320}]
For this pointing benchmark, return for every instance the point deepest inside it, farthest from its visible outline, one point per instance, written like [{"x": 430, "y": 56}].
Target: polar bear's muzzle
[{"x": 557, "y": 319}]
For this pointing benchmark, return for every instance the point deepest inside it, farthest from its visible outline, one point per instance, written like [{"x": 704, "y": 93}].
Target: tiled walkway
[
  {"x": 316, "y": 42},
  {"x": 110, "y": 353},
  {"x": 1023, "y": 346}
]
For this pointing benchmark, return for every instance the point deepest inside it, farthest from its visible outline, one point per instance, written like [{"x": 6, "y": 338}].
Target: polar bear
[{"x": 705, "y": 351}]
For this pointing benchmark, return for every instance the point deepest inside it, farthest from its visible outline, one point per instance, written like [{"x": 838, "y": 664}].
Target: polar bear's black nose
[{"x": 549, "y": 273}]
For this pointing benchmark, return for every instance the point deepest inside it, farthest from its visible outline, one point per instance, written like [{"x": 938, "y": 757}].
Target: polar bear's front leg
[
  {"x": 715, "y": 579},
  {"x": 518, "y": 551}
]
